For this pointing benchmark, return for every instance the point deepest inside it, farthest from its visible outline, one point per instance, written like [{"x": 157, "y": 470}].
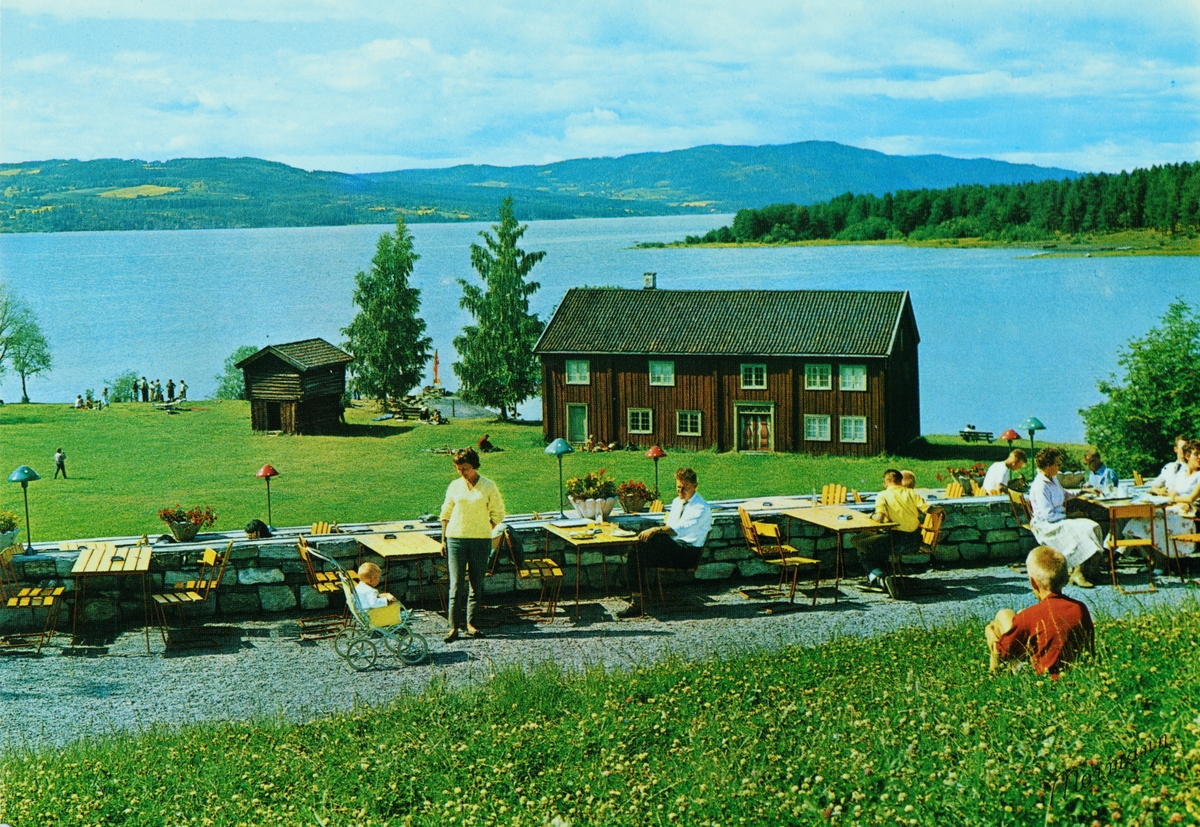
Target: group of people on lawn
[{"x": 1049, "y": 634}]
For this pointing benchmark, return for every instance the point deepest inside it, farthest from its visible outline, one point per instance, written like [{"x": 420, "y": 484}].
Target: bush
[
  {"x": 869, "y": 229},
  {"x": 1158, "y": 398},
  {"x": 231, "y": 384}
]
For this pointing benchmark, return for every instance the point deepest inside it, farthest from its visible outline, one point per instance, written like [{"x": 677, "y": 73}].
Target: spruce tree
[
  {"x": 387, "y": 337},
  {"x": 497, "y": 367}
]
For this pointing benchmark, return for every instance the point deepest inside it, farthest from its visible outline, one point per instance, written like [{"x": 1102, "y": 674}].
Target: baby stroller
[{"x": 358, "y": 643}]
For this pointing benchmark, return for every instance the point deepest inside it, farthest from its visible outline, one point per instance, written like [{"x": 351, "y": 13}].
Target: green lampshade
[
  {"x": 1032, "y": 424},
  {"x": 559, "y": 447},
  {"x": 23, "y": 474}
]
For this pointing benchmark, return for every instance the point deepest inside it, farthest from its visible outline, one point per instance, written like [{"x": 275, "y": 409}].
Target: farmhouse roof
[
  {"x": 726, "y": 322},
  {"x": 304, "y": 355}
]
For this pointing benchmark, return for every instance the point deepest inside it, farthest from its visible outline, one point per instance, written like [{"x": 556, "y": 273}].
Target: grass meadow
[
  {"x": 905, "y": 729},
  {"x": 126, "y": 462}
]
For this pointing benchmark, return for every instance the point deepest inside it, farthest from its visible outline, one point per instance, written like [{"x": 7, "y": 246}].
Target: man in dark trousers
[
  {"x": 145, "y": 390},
  {"x": 60, "y": 463},
  {"x": 170, "y": 390}
]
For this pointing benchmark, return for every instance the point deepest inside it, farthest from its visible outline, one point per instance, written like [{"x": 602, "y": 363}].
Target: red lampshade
[
  {"x": 266, "y": 471},
  {"x": 655, "y": 453},
  {"x": 1010, "y": 434}
]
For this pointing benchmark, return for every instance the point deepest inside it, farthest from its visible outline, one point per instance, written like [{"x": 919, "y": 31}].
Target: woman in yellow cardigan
[{"x": 473, "y": 507}]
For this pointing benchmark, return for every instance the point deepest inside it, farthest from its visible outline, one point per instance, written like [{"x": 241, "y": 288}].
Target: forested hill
[
  {"x": 1164, "y": 198},
  {"x": 187, "y": 193}
]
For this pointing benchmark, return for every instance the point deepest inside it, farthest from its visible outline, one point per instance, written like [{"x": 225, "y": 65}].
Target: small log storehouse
[
  {"x": 297, "y": 387},
  {"x": 813, "y": 371}
]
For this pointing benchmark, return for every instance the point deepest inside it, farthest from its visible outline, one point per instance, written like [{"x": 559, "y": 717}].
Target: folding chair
[
  {"x": 33, "y": 598},
  {"x": 320, "y": 627},
  {"x": 977, "y": 490},
  {"x": 191, "y": 592},
  {"x": 1021, "y": 510},
  {"x": 833, "y": 494},
  {"x": 546, "y": 570},
  {"x": 1137, "y": 478},
  {"x": 325, "y": 528},
  {"x": 857, "y": 496},
  {"x": 954, "y": 490},
  {"x": 785, "y": 556},
  {"x": 1176, "y": 539},
  {"x": 656, "y": 507},
  {"x": 931, "y": 535},
  {"x": 658, "y": 572},
  {"x": 1117, "y": 542}
]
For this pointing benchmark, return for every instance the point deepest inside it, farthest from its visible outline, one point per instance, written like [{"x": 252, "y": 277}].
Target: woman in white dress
[
  {"x": 1076, "y": 538},
  {"x": 1182, "y": 493}
]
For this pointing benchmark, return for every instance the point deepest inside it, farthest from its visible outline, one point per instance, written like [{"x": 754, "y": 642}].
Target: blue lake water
[{"x": 1003, "y": 337}]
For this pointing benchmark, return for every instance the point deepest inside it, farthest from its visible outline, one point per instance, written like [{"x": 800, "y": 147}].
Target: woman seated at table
[
  {"x": 1182, "y": 494},
  {"x": 1077, "y": 539}
]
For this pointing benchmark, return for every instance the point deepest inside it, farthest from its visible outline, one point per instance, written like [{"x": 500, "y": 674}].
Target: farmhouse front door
[
  {"x": 755, "y": 426},
  {"x": 577, "y": 423}
]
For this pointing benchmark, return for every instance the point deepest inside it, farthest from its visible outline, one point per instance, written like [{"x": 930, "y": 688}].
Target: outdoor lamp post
[
  {"x": 1010, "y": 435},
  {"x": 265, "y": 473},
  {"x": 656, "y": 453},
  {"x": 24, "y": 475},
  {"x": 1031, "y": 425},
  {"x": 556, "y": 449}
]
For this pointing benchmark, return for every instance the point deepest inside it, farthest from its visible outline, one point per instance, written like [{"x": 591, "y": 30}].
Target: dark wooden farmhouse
[
  {"x": 296, "y": 387},
  {"x": 816, "y": 371}
]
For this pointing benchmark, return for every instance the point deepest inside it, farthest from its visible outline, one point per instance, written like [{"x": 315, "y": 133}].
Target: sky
[{"x": 372, "y": 86}]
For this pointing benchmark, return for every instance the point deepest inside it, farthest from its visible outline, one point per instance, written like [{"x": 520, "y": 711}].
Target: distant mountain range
[{"x": 198, "y": 193}]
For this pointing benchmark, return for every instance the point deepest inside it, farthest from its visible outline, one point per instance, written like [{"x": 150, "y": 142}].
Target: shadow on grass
[
  {"x": 370, "y": 430},
  {"x": 975, "y": 451}
]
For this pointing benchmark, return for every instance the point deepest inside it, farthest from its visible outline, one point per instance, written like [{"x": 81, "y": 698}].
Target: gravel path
[{"x": 264, "y": 671}]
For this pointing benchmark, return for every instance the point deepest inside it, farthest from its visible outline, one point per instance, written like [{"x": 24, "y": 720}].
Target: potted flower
[
  {"x": 185, "y": 524},
  {"x": 633, "y": 495},
  {"x": 8, "y": 529},
  {"x": 594, "y": 495}
]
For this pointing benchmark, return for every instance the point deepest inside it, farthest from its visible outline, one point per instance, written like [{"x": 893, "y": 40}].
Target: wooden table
[
  {"x": 840, "y": 520},
  {"x": 412, "y": 545},
  {"x": 776, "y": 503},
  {"x": 604, "y": 542},
  {"x": 106, "y": 560}
]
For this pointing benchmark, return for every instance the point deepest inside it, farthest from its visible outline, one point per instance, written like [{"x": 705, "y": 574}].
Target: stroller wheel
[
  {"x": 396, "y": 639},
  {"x": 342, "y": 640},
  {"x": 414, "y": 649},
  {"x": 360, "y": 654}
]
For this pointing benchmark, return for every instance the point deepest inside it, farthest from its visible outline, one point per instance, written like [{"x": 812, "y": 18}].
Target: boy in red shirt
[{"x": 1051, "y": 633}]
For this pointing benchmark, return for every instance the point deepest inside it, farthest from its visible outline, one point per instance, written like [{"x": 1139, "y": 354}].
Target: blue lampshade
[
  {"x": 23, "y": 474},
  {"x": 559, "y": 447},
  {"x": 1032, "y": 424}
]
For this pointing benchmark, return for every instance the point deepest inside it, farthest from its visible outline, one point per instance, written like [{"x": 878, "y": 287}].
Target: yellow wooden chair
[
  {"x": 547, "y": 571},
  {"x": 658, "y": 573},
  {"x": 192, "y": 592},
  {"x": 977, "y": 490},
  {"x": 1021, "y": 510},
  {"x": 833, "y": 494},
  {"x": 1176, "y": 539},
  {"x": 32, "y": 598},
  {"x": 765, "y": 541},
  {"x": 954, "y": 490},
  {"x": 1137, "y": 478},
  {"x": 857, "y": 496},
  {"x": 656, "y": 507},
  {"x": 325, "y": 528},
  {"x": 321, "y": 627},
  {"x": 1118, "y": 516}
]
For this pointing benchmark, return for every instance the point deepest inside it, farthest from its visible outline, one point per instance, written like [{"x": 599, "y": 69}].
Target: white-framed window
[
  {"x": 816, "y": 427},
  {"x": 754, "y": 377},
  {"x": 852, "y": 377},
  {"x": 662, "y": 373},
  {"x": 853, "y": 428},
  {"x": 579, "y": 372},
  {"x": 641, "y": 420},
  {"x": 687, "y": 423},
  {"x": 818, "y": 378}
]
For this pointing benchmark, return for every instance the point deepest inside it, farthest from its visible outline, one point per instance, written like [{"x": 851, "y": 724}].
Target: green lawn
[
  {"x": 128, "y": 461},
  {"x": 903, "y": 729}
]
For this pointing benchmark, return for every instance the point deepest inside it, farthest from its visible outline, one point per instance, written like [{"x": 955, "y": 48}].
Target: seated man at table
[
  {"x": 895, "y": 504},
  {"x": 677, "y": 543},
  {"x": 999, "y": 473},
  {"x": 1102, "y": 478},
  {"x": 1053, "y": 632},
  {"x": 1163, "y": 484}
]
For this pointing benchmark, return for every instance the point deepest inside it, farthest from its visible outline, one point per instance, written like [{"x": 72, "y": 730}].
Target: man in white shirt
[
  {"x": 1000, "y": 473},
  {"x": 1163, "y": 483},
  {"x": 678, "y": 543}
]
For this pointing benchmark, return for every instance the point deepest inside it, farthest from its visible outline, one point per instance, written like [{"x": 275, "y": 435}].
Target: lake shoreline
[{"x": 1132, "y": 243}]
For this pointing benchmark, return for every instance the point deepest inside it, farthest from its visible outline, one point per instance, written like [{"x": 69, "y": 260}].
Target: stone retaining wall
[{"x": 266, "y": 577}]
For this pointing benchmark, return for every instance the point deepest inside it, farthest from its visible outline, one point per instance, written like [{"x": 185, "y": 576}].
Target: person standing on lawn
[
  {"x": 473, "y": 507},
  {"x": 60, "y": 462}
]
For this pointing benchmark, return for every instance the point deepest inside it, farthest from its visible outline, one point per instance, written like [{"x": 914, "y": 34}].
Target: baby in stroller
[{"x": 383, "y": 609}]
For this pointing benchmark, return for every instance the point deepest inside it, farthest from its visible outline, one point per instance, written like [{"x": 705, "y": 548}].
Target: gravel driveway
[{"x": 263, "y": 670}]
